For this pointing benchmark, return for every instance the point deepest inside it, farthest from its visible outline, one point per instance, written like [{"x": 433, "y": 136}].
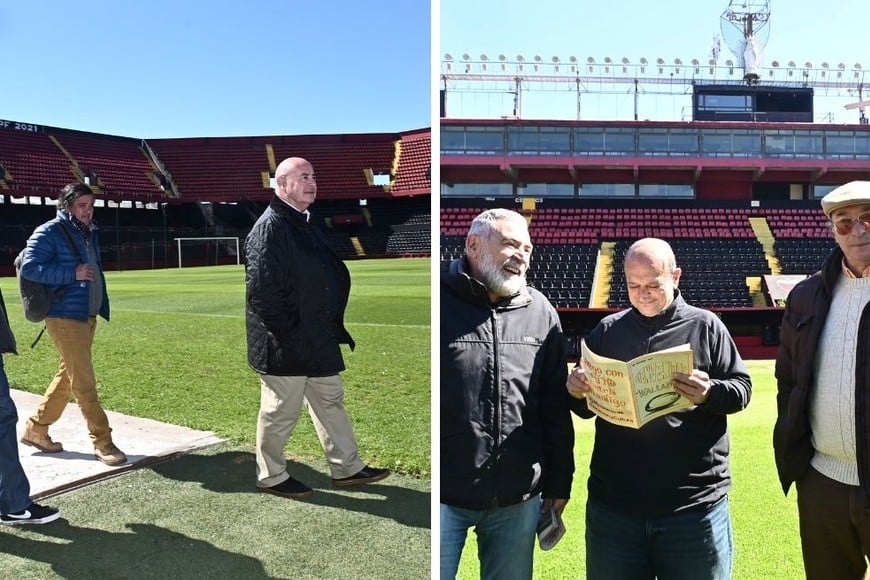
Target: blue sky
[
  {"x": 799, "y": 30},
  {"x": 180, "y": 68}
]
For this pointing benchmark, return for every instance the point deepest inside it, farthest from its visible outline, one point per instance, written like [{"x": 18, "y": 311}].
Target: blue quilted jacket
[{"x": 49, "y": 259}]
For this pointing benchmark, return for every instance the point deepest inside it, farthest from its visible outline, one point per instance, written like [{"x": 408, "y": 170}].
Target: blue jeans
[
  {"x": 505, "y": 539},
  {"x": 14, "y": 487},
  {"x": 691, "y": 545}
]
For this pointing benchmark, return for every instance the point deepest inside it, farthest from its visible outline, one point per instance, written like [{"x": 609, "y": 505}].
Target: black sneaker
[
  {"x": 363, "y": 476},
  {"x": 35, "y": 514},
  {"x": 292, "y": 488}
]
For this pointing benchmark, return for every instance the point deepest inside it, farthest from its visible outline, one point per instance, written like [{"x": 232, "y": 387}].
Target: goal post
[{"x": 208, "y": 239}]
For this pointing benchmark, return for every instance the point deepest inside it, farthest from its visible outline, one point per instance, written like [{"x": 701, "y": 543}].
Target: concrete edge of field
[{"x": 145, "y": 442}]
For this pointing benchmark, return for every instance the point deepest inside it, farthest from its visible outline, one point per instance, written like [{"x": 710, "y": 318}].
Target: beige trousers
[
  {"x": 75, "y": 377},
  {"x": 281, "y": 401}
]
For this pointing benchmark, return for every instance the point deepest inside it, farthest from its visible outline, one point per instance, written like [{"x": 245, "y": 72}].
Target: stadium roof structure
[
  {"x": 37, "y": 160},
  {"x": 519, "y": 78}
]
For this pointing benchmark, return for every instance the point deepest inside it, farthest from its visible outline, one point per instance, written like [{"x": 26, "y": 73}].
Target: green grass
[
  {"x": 175, "y": 351},
  {"x": 199, "y": 517},
  {"x": 767, "y": 543}
]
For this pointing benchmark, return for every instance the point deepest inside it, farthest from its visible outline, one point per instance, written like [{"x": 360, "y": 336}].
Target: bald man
[
  {"x": 296, "y": 294},
  {"x": 658, "y": 496}
]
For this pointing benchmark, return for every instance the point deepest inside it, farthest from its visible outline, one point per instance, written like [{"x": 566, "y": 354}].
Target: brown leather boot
[
  {"x": 110, "y": 455},
  {"x": 41, "y": 441}
]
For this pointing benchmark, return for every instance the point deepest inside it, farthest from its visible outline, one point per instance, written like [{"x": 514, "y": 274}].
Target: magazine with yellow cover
[{"x": 632, "y": 393}]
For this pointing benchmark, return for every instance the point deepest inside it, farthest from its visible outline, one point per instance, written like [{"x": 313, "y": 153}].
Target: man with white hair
[
  {"x": 506, "y": 433},
  {"x": 822, "y": 435}
]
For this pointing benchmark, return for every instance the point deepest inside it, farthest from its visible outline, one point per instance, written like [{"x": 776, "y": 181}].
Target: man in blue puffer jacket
[{"x": 79, "y": 288}]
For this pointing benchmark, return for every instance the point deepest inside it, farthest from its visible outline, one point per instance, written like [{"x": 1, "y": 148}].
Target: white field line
[{"x": 207, "y": 315}]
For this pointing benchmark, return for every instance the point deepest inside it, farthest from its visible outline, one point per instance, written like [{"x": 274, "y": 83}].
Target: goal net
[{"x": 207, "y": 251}]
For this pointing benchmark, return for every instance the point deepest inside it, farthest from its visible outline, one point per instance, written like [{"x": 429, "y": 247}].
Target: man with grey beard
[{"x": 506, "y": 433}]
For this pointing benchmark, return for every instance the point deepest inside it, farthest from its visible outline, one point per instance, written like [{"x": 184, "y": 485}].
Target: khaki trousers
[
  {"x": 281, "y": 401},
  {"x": 75, "y": 376}
]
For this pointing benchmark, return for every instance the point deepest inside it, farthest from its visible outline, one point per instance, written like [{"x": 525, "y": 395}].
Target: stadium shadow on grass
[
  {"x": 146, "y": 551},
  {"x": 233, "y": 472}
]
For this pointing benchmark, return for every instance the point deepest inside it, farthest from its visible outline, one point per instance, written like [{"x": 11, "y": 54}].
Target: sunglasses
[{"x": 844, "y": 225}]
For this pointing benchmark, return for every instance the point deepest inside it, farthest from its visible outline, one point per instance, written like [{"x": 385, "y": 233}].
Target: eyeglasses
[{"x": 844, "y": 225}]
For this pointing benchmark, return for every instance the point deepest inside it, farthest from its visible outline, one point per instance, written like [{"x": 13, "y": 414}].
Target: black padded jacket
[{"x": 296, "y": 294}]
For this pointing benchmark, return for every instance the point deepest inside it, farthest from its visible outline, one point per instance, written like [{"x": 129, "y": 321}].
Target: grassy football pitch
[
  {"x": 174, "y": 351},
  {"x": 766, "y": 539}
]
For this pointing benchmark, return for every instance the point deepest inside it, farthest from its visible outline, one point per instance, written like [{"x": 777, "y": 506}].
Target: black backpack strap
[
  {"x": 72, "y": 243},
  {"x": 38, "y": 336}
]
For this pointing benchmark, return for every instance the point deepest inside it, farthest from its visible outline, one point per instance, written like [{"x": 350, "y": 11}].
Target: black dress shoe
[
  {"x": 365, "y": 475},
  {"x": 292, "y": 488}
]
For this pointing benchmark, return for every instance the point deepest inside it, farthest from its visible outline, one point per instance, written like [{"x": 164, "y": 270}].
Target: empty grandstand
[
  {"x": 373, "y": 197},
  {"x": 735, "y": 189}
]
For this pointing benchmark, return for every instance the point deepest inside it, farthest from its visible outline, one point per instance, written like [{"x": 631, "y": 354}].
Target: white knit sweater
[{"x": 832, "y": 408}]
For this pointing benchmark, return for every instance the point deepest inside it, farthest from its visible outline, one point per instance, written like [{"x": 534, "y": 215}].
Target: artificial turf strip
[{"x": 200, "y": 516}]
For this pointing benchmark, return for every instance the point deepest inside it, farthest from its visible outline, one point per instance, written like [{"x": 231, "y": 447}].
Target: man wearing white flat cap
[{"x": 822, "y": 435}]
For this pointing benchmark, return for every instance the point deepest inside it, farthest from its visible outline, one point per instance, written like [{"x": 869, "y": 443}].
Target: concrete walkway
[{"x": 143, "y": 440}]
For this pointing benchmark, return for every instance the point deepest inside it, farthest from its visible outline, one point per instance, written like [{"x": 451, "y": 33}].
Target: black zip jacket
[
  {"x": 506, "y": 432},
  {"x": 803, "y": 320},
  {"x": 679, "y": 461},
  {"x": 296, "y": 293}
]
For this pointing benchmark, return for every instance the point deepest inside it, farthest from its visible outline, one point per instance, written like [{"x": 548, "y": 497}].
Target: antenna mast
[{"x": 745, "y": 28}]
